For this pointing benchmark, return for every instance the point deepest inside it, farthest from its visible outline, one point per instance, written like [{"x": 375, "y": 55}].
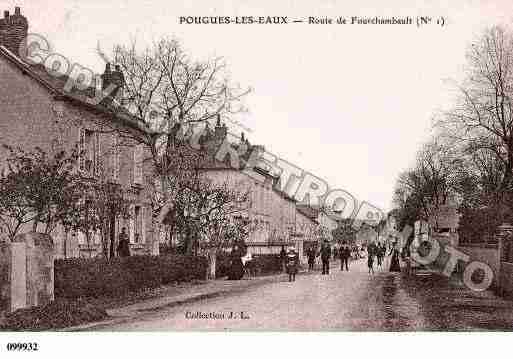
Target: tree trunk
[
  {"x": 88, "y": 239},
  {"x": 65, "y": 244},
  {"x": 34, "y": 225},
  {"x": 211, "y": 270},
  {"x": 112, "y": 236},
  {"x": 105, "y": 242}
]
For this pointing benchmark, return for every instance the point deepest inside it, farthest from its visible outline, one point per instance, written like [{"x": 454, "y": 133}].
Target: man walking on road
[
  {"x": 325, "y": 257},
  {"x": 380, "y": 254},
  {"x": 345, "y": 253},
  {"x": 310, "y": 253},
  {"x": 371, "y": 252}
]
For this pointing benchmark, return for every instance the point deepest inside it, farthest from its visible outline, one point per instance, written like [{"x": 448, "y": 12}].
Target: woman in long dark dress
[
  {"x": 236, "y": 266},
  {"x": 394, "y": 260}
]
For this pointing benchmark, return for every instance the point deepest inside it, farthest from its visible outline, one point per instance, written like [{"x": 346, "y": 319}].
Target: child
[{"x": 292, "y": 263}]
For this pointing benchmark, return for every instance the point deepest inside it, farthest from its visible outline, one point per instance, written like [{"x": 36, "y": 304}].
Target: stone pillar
[
  {"x": 505, "y": 239},
  {"x": 40, "y": 276},
  {"x": 26, "y": 272}
]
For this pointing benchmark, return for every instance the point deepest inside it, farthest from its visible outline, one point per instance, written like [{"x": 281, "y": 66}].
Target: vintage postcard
[{"x": 255, "y": 166}]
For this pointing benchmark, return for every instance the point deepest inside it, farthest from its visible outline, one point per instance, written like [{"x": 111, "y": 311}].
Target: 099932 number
[{"x": 22, "y": 347}]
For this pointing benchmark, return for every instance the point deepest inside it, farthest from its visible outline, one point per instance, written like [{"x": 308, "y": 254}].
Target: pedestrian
[
  {"x": 123, "y": 248},
  {"x": 325, "y": 257},
  {"x": 283, "y": 254},
  {"x": 407, "y": 259},
  {"x": 247, "y": 262},
  {"x": 380, "y": 254},
  {"x": 236, "y": 271},
  {"x": 394, "y": 259},
  {"x": 292, "y": 263},
  {"x": 345, "y": 253},
  {"x": 310, "y": 253},
  {"x": 370, "y": 257}
]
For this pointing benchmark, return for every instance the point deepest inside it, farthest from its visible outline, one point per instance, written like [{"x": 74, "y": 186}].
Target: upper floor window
[
  {"x": 89, "y": 160},
  {"x": 138, "y": 164},
  {"x": 114, "y": 159}
]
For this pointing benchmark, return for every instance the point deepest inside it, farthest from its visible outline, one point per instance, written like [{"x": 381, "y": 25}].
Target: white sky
[{"x": 350, "y": 103}]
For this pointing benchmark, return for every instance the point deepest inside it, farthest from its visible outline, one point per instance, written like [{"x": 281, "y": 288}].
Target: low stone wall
[{"x": 484, "y": 253}]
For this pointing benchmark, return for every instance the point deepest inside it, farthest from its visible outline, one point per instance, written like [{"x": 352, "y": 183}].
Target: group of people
[
  {"x": 344, "y": 253},
  {"x": 379, "y": 251},
  {"x": 325, "y": 253},
  {"x": 375, "y": 251}
]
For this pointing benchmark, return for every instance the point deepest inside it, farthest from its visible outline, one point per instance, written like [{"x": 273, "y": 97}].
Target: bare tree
[
  {"x": 423, "y": 189},
  {"x": 481, "y": 123},
  {"x": 171, "y": 93}
]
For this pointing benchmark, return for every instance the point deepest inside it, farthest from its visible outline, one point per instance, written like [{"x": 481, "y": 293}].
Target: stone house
[
  {"x": 38, "y": 111},
  {"x": 274, "y": 219},
  {"x": 327, "y": 220}
]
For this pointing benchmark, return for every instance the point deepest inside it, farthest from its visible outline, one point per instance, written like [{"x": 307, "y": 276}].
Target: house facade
[
  {"x": 274, "y": 218},
  {"x": 38, "y": 112}
]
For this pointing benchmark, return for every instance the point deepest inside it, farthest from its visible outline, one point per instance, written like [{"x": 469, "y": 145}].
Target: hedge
[
  {"x": 54, "y": 315},
  {"x": 99, "y": 277},
  {"x": 261, "y": 264}
]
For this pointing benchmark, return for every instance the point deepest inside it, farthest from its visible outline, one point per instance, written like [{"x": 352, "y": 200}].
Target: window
[
  {"x": 114, "y": 159},
  {"x": 81, "y": 238},
  {"x": 89, "y": 160},
  {"x": 138, "y": 164},
  {"x": 262, "y": 199},
  {"x": 137, "y": 225}
]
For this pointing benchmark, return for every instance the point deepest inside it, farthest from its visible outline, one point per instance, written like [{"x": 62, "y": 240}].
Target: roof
[
  {"x": 84, "y": 98},
  {"x": 308, "y": 211}
]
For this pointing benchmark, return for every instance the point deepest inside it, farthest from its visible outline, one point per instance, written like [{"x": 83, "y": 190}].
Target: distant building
[{"x": 273, "y": 218}]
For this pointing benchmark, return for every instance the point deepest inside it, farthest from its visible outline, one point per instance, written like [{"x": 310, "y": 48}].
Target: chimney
[
  {"x": 13, "y": 31},
  {"x": 221, "y": 130},
  {"x": 106, "y": 76},
  {"x": 115, "y": 78}
]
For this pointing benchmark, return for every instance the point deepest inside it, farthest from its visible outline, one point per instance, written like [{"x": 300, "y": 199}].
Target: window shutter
[
  {"x": 143, "y": 224},
  {"x": 131, "y": 226},
  {"x": 138, "y": 162},
  {"x": 97, "y": 238},
  {"x": 96, "y": 154},
  {"x": 81, "y": 238},
  {"x": 114, "y": 166},
  {"x": 81, "y": 148}
]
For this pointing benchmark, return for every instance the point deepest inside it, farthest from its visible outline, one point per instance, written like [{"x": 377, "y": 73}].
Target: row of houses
[{"x": 38, "y": 111}]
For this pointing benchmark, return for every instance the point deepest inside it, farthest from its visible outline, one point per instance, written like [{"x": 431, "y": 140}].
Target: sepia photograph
[{"x": 252, "y": 167}]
